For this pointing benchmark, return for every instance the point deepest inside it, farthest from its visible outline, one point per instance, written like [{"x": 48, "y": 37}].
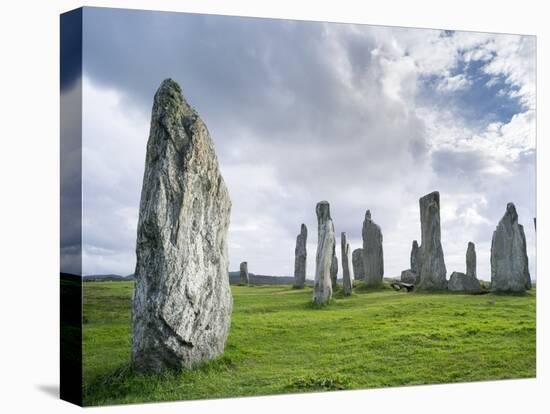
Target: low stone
[
  {"x": 461, "y": 282},
  {"x": 408, "y": 276}
]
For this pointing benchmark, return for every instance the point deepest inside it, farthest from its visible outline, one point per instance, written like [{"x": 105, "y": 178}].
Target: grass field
[{"x": 280, "y": 343}]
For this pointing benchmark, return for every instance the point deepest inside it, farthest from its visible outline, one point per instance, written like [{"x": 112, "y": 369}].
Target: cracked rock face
[
  {"x": 433, "y": 273},
  {"x": 326, "y": 241},
  {"x": 357, "y": 263},
  {"x": 182, "y": 301},
  {"x": 243, "y": 273},
  {"x": 373, "y": 253},
  {"x": 300, "y": 258},
  {"x": 509, "y": 263},
  {"x": 346, "y": 276}
]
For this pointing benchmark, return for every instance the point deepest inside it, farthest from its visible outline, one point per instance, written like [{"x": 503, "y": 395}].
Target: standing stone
[
  {"x": 243, "y": 274},
  {"x": 326, "y": 241},
  {"x": 509, "y": 263},
  {"x": 345, "y": 265},
  {"x": 300, "y": 258},
  {"x": 334, "y": 268},
  {"x": 471, "y": 261},
  {"x": 373, "y": 254},
  {"x": 415, "y": 257},
  {"x": 182, "y": 300},
  {"x": 432, "y": 264},
  {"x": 357, "y": 262}
]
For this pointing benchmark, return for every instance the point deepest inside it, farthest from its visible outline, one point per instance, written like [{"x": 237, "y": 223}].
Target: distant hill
[
  {"x": 107, "y": 278},
  {"x": 233, "y": 279},
  {"x": 255, "y": 279}
]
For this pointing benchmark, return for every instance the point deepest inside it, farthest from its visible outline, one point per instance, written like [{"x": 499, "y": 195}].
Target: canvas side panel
[{"x": 71, "y": 206}]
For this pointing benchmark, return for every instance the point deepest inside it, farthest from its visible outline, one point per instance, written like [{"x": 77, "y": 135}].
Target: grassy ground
[{"x": 280, "y": 343}]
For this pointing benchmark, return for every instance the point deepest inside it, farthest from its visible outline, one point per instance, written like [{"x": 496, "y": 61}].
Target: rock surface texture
[
  {"x": 334, "y": 268},
  {"x": 357, "y": 263},
  {"x": 509, "y": 263},
  {"x": 182, "y": 301},
  {"x": 326, "y": 241},
  {"x": 461, "y": 282},
  {"x": 373, "y": 253},
  {"x": 433, "y": 272},
  {"x": 300, "y": 258},
  {"x": 471, "y": 260},
  {"x": 408, "y": 276},
  {"x": 346, "y": 276},
  {"x": 243, "y": 274}
]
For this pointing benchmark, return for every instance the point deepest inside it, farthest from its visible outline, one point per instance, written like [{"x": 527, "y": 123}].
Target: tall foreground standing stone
[
  {"x": 471, "y": 260},
  {"x": 509, "y": 263},
  {"x": 433, "y": 272},
  {"x": 300, "y": 258},
  {"x": 346, "y": 277},
  {"x": 182, "y": 301},
  {"x": 357, "y": 262},
  {"x": 373, "y": 253},
  {"x": 243, "y": 274},
  {"x": 322, "y": 290}
]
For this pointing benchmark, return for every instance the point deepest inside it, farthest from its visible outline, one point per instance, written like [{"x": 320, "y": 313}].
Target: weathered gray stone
[
  {"x": 346, "y": 277},
  {"x": 243, "y": 274},
  {"x": 408, "y": 276},
  {"x": 373, "y": 253},
  {"x": 415, "y": 258},
  {"x": 182, "y": 301},
  {"x": 300, "y": 258},
  {"x": 432, "y": 263},
  {"x": 461, "y": 282},
  {"x": 509, "y": 263},
  {"x": 471, "y": 260},
  {"x": 357, "y": 263},
  {"x": 326, "y": 241},
  {"x": 334, "y": 269}
]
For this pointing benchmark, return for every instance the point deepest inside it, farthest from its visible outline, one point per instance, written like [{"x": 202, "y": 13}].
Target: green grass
[{"x": 280, "y": 343}]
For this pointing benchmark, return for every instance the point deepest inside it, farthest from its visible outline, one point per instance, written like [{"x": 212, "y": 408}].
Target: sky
[{"x": 366, "y": 117}]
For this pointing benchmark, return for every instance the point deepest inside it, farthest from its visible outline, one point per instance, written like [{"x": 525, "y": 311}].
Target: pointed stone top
[
  {"x": 415, "y": 244},
  {"x": 303, "y": 229},
  {"x": 169, "y": 100},
  {"x": 471, "y": 244},
  {"x": 434, "y": 195},
  {"x": 368, "y": 215},
  {"x": 343, "y": 235},
  {"x": 323, "y": 211},
  {"x": 511, "y": 211}
]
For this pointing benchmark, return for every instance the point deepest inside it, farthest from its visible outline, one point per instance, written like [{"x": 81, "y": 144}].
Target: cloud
[{"x": 362, "y": 116}]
